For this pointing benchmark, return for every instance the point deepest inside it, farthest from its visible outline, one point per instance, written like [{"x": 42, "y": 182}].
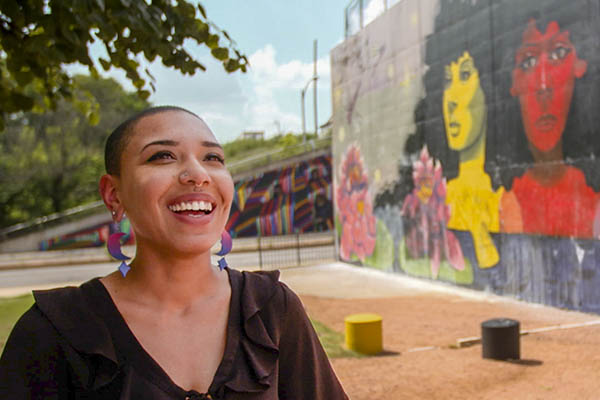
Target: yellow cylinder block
[{"x": 363, "y": 333}]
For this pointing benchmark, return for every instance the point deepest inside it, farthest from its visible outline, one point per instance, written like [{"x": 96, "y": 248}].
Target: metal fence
[
  {"x": 266, "y": 253},
  {"x": 283, "y": 251},
  {"x": 359, "y": 13}
]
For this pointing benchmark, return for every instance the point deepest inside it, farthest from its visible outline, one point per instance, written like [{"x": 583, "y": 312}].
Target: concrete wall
[{"x": 466, "y": 149}]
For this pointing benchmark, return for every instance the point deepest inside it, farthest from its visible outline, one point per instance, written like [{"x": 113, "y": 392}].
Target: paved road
[{"x": 18, "y": 281}]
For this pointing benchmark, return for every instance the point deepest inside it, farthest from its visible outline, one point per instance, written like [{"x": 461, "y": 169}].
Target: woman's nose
[
  {"x": 451, "y": 107},
  {"x": 194, "y": 174},
  {"x": 543, "y": 74},
  {"x": 544, "y": 85}
]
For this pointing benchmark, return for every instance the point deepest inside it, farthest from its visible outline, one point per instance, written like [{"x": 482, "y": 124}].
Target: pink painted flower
[
  {"x": 355, "y": 208},
  {"x": 426, "y": 215}
]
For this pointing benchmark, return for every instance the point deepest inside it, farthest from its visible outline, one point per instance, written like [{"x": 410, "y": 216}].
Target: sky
[{"x": 277, "y": 37}]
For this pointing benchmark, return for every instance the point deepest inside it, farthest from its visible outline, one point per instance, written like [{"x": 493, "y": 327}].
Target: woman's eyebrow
[
  {"x": 211, "y": 144},
  {"x": 466, "y": 64},
  {"x": 167, "y": 142},
  {"x": 160, "y": 142}
]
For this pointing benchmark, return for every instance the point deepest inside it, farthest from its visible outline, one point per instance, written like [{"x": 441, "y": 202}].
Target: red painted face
[{"x": 546, "y": 66}]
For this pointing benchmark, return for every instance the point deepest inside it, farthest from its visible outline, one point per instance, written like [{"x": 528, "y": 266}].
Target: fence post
[
  {"x": 298, "y": 248},
  {"x": 260, "y": 263}
]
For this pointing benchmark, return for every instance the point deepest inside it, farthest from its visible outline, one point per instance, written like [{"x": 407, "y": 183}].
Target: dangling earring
[
  {"x": 114, "y": 248},
  {"x": 226, "y": 245}
]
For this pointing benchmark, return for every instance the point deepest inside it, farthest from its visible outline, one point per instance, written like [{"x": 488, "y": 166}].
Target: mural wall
[
  {"x": 466, "y": 145},
  {"x": 95, "y": 236},
  {"x": 294, "y": 199}
]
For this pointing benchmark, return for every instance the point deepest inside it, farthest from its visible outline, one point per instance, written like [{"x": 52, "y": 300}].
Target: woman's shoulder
[{"x": 72, "y": 312}]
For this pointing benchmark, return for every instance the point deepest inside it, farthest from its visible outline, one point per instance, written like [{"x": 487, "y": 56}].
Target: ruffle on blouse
[
  {"x": 258, "y": 342},
  {"x": 94, "y": 361},
  {"x": 252, "y": 367}
]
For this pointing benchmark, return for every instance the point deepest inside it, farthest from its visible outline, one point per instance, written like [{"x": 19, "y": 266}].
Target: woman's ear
[
  {"x": 109, "y": 192},
  {"x": 580, "y": 67}
]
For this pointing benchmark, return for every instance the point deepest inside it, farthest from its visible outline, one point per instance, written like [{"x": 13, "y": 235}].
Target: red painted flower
[
  {"x": 355, "y": 208},
  {"x": 426, "y": 215}
]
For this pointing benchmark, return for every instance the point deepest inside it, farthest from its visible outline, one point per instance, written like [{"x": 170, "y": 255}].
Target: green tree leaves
[
  {"x": 39, "y": 37},
  {"x": 52, "y": 161}
]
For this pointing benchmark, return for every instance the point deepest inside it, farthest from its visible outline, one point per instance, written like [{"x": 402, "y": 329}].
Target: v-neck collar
[{"x": 133, "y": 353}]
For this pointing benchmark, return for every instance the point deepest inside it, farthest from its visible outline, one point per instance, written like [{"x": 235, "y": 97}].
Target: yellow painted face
[{"x": 464, "y": 103}]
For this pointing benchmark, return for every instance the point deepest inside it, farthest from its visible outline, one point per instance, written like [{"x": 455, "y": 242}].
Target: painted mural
[
  {"x": 95, "y": 236},
  {"x": 294, "y": 199},
  {"x": 467, "y": 133}
]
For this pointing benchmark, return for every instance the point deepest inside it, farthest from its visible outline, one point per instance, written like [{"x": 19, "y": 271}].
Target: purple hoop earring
[
  {"x": 114, "y": 248},
  {"x": 226, "y": 245}
]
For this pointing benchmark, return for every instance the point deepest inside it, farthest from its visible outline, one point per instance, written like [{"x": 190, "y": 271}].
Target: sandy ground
[{"x": 421, "y": 324}]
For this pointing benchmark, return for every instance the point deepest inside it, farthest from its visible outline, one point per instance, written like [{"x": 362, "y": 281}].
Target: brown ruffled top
[{"x": 73, "y": 343}]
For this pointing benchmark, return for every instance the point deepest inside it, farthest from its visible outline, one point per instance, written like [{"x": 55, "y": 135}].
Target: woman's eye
[
  {"x": 559, "y": 53},
  {"x": 528, "y": 63},
  {"x": 162, "y": 155},
  {"x": 447, "y": 79},
  {"x": 215, "y": 157}
]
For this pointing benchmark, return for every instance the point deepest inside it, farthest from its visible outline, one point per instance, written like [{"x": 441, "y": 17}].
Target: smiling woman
[{"x": 174, "y": 326}]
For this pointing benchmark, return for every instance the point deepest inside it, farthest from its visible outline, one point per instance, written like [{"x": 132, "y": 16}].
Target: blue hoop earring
[
  {"x": 114, "y": 248},
  {"x": 226, "y": 245}
]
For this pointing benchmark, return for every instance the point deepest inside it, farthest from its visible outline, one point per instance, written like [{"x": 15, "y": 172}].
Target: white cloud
[
  {"x": 273, "y": 92},
  {"x": 266, "y": 98}
]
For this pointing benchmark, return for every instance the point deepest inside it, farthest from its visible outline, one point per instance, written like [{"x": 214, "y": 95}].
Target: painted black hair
[
  {"x": 459, "y": 26},
  {"x": 119, "y": 138}
]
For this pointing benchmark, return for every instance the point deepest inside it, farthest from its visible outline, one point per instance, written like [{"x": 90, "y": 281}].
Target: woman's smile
[{"x": 197, "y": 206}]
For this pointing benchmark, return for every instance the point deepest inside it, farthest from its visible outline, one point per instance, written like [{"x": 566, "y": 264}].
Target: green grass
[
  {"x": 13, "y": 307},
  {"x": 332, "y": 341},
  {"x": 10, "y": 310}
]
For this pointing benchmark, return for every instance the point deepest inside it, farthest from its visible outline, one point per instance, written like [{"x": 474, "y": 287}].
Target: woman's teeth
[{"x": 192, "y": 206}]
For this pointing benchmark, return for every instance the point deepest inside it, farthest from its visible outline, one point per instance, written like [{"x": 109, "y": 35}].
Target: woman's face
[
  {"x": 546, "y": 66},
  {"x": 174, "y": 186},
  {"x": 464, "y": 103}
]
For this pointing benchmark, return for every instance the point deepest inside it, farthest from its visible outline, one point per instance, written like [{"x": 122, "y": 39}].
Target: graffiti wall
[
  {"x": 466, "y": 145},
  {"x": 294, "y": 199},
  {"x": 96, "y": 236}
]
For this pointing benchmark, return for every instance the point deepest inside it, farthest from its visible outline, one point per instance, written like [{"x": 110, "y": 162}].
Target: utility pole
[
  {"x": 303, "y": 94},
  {"x": 315, "y": 87}
]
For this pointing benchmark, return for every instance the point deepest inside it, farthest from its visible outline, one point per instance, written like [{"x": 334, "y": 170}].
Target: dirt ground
[{"x": 419, "y": 361}]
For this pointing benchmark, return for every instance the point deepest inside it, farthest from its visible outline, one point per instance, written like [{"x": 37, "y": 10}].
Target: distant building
[{"x": 256, "y": 135}]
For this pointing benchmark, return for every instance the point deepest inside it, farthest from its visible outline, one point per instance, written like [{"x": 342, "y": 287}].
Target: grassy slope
[{"x": 10, "y": 310}]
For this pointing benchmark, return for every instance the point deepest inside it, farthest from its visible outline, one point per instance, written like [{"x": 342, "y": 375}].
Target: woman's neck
[
  {"x": 472, "y": 159},
  {"x": 171, "y": 281},
  {"x": 548, "y": 167}
]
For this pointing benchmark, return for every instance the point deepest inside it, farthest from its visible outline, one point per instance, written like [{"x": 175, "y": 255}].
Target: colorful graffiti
[
  {"x": 427, "y": 215},
  {"x": 473, "y": 203},
  {"x": 95, "y": 236},
  {"x": 355, "y": 208},
  {"x": 554, "y": 197},
  {"x": 284, "y": 201},
  {"x": 497, "y": 180}
]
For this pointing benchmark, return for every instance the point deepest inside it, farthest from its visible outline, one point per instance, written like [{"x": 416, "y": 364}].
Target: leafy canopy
[
  {"x": 39, "y": 37},
  {"x": 51, "y": 161}
]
